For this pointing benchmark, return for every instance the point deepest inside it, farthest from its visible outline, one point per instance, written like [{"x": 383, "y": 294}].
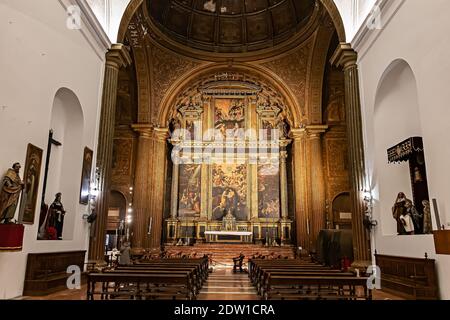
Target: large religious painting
[
  {"x": 86, "y": 175},
  {"x": 229, "y": 118},
  {"x": 268, "y": 191},
  {"x": 229, "y": 192},
  {"x": 32, "y": 174},
  {"x": 190, "y": 191}
]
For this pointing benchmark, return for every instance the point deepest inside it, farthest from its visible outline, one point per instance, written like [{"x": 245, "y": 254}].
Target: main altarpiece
[{"x": 229, "y": 139}]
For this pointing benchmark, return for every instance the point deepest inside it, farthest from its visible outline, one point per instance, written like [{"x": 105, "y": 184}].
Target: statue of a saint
[
  {"x": 10, "y": 191},
  {"x": 124, "y": 258},
  {"x": 427, "y": 226},
  {"x": 416, "y": 216},
  {"x": 51, "y": 228},
  {"x": 398, "y": 210},
  {"x": 58, "y": 215}
]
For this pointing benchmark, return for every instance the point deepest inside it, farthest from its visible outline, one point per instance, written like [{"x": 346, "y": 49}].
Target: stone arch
[
  {"x": 265, "y": 75},
  {"x": 67, "y": 123}
]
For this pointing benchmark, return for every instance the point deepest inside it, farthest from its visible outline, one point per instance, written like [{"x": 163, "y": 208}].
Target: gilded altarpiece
[{"x": 229, "y": 137}]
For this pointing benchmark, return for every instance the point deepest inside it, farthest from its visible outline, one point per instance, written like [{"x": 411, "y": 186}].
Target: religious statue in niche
[
  {"x": 409, "y": 220},
  {"x": 52, "y": 227},
  {"x": 175, "y": 126},
  {"x": 427, "y": 225},
  {"x": 283, "y": 126},
  {"x": 12, "y": 186},
  {"x": 412, "y": 151}
]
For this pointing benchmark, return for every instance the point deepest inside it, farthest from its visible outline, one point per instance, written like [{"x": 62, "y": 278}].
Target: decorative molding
[
  {"x": 366, "y": 37},
  {"x": 292, "y": 69},
  {"x": 166, "y": 68},
  {"x": 94, "y": 33}
]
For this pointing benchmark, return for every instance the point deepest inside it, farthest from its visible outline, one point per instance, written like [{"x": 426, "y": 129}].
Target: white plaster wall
[
  {"x": 39, "y": 57},
  {"x": 109, "y": 13},
  {"x": 418, "y": 34}
]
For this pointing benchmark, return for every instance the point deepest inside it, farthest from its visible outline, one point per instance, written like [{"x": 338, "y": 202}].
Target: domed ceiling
[{"x": 230, "y": 26}]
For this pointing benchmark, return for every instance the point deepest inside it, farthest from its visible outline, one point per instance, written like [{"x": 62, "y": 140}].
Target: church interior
[{"x": 224, "y": 150}]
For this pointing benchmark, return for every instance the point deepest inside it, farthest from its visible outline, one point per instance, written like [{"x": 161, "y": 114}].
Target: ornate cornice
[
  {"x": 144, "y": 130},
  {"x": 344, "y": 56},
  {"x": 118, "y": 56}
]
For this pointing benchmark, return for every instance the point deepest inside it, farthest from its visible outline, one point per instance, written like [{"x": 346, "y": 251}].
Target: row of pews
[
  {"x": 294, "y": 279},
  {"x": 163, "y": 278}
]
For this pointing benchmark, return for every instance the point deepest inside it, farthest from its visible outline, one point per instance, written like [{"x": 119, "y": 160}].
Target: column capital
[
  {"x": 161, "y": 134},
  {"x": 344, "y": 56},
  {"x": 118, "y": 56},
  {"x": 298, "y": 133},
  {"x": 144, "y": 130},
  {"x": 316, "y": 131}
]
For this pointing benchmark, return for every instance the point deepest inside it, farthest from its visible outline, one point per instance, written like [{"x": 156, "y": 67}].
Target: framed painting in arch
[
  {"x": 86, "y": 176},
  {"x": 32, "y": 173}
]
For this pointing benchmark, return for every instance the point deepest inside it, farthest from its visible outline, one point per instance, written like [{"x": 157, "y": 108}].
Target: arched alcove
[
  {"x": 341, "y": 208},
  {"x": 396, "y": 118},
  {"x": 117, "y": 211},
  {"x": 65, "y": 162}
]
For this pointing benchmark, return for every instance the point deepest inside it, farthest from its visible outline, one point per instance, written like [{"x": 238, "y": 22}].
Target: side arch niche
[
  {"x": 396, "y": 118},
  {"x": 65, "y": 163}
]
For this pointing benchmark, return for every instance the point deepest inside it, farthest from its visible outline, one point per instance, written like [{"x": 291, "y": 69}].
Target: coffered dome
[{"x": 230, "y": 26}]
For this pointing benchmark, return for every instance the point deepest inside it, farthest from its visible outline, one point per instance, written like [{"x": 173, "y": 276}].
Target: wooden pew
[
  {"x": 138, "y": 285},
  {"x": 261, "y": 282},
  {"x": 203, "y": 263},
  {"x": 295, "y": 279},
  {"x": 315, "y": 287},
  {"x": 192, "y": 272}
]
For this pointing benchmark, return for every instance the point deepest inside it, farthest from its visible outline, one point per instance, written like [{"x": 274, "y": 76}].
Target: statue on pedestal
[{"x": 10, "y": 191}]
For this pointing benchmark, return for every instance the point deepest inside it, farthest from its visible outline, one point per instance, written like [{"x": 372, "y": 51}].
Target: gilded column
[
  {"x": 156, "y": 187},
  {"x": 141, "y": 190},
  {"x": 116, "y": 58},
  {"x": 316, "y": 181},
  {"x": 346, "y": 58},
  {"x": 283, "y": 186},
  {"x": 300, "y": 186},
  {"x": 174, "y": 197}
]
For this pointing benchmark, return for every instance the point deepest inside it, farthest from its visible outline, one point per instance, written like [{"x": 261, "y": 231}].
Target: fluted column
[
  {"x": 283, "y": 186},
  {"x": 116, "y": 58},
  {"x": 300, "y": 186},
  {"x": 316, "y": 181},
  {"x": 156, "y": 187},
  {"x": 141, "y": 185},
  {"x": 174, "y": 197},
  {"x": 346, "y": 58}
]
